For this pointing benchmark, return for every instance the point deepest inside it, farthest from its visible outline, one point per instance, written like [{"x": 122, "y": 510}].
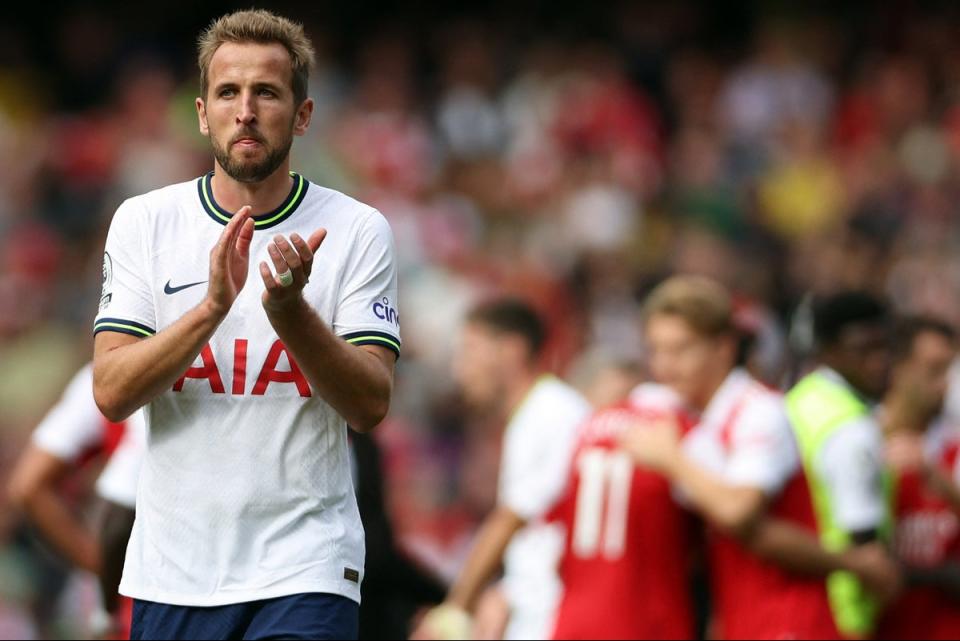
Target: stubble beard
[{"x": 251, "y": 171}]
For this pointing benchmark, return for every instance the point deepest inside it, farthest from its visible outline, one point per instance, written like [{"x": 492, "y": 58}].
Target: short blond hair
[
  {"x": 264, "y": 27},
  {"x": 703, "y": 303}
]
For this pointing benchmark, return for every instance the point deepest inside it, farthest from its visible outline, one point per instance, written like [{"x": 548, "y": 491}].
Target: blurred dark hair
[
  {"x": 835, "y": 314},
  {"x": 910, "y": 328},
  {"x": 512, "y": 316}
]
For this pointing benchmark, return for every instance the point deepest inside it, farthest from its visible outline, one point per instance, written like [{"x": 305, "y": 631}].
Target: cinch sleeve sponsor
[
  {"x": 127, "y": 303},
  {"x": 367, "y": 312}
]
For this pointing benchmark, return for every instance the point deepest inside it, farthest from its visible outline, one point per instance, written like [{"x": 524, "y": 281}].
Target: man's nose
[{"x": 247, "y": 115}]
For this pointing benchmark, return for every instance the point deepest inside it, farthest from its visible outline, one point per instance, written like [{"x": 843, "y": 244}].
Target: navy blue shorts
[{"x": 299, "y": 616}]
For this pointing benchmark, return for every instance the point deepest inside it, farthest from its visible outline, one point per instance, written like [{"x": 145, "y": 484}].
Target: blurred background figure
[
  {"x": 923, "y": 450},
  {"x": 737, "y": 466},
  {"x": 841, "y": 445},
  {"x": 500, "y": 370},
  {"x": 629, "y": 548},
  {"x": 50, "y": 485}
]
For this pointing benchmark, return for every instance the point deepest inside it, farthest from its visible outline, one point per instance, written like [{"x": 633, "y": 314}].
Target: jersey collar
[{"x": 264, "y": 221}]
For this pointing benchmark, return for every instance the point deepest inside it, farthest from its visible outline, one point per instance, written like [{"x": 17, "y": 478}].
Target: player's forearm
[
  {"x": 793, "y": 548},
  {"x": 730, "y": 508},
  {"x": 128, "y": 376},
  {"x": 484, "y": 559},
  {"x": 354, "y": 382},
  {"x": 62, "y": 530}
]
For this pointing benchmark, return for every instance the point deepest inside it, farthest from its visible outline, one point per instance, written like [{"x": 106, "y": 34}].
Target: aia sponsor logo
[{"x": 211, "y": 372}]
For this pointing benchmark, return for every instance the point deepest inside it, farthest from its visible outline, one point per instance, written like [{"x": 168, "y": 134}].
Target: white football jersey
[
  {"x": 744, "y": 436},
  {"x": 245, "y": 493},
  {"x": 74, "y": 425},
  {"x": 538, "y": 446}
]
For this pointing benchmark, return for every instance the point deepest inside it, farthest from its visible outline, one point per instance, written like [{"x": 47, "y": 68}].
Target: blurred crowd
[{"x": 787, "y": 157}]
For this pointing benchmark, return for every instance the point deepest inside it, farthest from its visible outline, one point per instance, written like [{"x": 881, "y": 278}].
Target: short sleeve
[
  {"x": 851, "y": 463},
  {"x": 537, "y": 452},
  {"x": 763, "y": 454},
  {"x": 126, "y": 304},
  {"x": 75, "y": 424},
  {"x": 367, "y": 310}
]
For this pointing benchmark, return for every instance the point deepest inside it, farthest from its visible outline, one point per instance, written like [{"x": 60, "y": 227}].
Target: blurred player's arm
[
  {"x": 451, "y": 619},
  {"x": 485, "y": 558},
  {"x": 33, "y": 490},
  {"x": 799, "y": 551},
  {"x": 357, "y": 381},
  {"x": 851, "y": 466},
  {"x": 129, "y": 372},
  {"x": 733, "y": 509},
  {"x": 851, "y": 469}
]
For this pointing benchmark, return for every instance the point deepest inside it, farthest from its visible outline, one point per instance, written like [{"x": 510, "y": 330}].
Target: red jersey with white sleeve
[
  {"x": 927, "y": 536},
  {"x": 624, "y": 567},
  {"x": 744, "y": 436},
  {"x": 74, "y": 430}
]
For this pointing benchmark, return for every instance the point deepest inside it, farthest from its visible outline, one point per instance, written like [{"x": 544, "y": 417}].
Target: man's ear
[
  {"x": 304, "y": 114},
  {"x": 202, "y": 117}
]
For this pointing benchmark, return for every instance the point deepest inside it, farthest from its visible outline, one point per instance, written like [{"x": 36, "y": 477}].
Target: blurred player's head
[
  {"x": 691, "y": 338},
  {"x": 853, "y": 334},
  {"x": 501, "y": 341},
  {"x": 924, "y": 349},
  {"x": 254, "y": 67}
]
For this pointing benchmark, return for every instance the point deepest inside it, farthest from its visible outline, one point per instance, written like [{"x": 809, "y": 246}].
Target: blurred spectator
[
  {"x": 840, "y": 444},
  {"x": 923, "y": 448}
]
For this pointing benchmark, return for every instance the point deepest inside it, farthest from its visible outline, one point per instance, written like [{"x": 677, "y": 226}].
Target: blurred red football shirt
[
  {"x": 927, "y": 536},
  {"x": 744, "y": 437},
  {"x": 624, "y": 567}
]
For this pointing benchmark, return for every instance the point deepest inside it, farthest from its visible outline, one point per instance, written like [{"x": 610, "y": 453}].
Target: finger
[
  {"x": 241, "y": 218},
  {"x": 269, "y": 281},
  {"x": 306, "y": 254},
  {"x": 289, "y": 254},
  {"x": 279, "y": 264},
  {"x": 235, "y": 224},
  {"x": 228, "y": 239},
  {"x": 245, "y": 238},
  {"x": 316, "y": 239}
]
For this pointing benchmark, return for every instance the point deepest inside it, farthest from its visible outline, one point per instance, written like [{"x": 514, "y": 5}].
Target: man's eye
[
  {"x": 227, "y": 93},
  {"x": 267, "y": 93}
]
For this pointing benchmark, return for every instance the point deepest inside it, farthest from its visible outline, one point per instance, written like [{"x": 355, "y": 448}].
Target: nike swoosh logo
[{"x": 173, "y": 290}]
